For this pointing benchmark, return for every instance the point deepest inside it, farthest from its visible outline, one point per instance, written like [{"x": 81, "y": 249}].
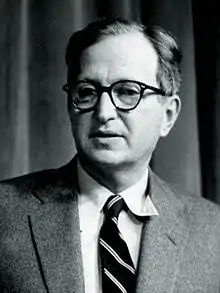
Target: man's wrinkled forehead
[
  {"x": 127, "y": 56},
  {"x": 120, "y": 50}
]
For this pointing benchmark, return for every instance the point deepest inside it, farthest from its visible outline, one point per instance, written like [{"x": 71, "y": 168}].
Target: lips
[{"x": 105, "y": 134}]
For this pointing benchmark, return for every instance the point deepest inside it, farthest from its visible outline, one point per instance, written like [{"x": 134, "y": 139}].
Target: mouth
[{"x": 104, "y": 134}]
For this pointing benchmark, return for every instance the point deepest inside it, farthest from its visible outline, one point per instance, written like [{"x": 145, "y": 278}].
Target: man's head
[{"x": 119, "y": 126}]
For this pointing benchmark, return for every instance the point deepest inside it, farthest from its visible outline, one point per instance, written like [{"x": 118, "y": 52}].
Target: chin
[{"x": 105, "y": 157}]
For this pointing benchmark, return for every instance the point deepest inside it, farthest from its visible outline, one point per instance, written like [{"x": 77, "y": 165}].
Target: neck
[{"x": 114, "y": 178}]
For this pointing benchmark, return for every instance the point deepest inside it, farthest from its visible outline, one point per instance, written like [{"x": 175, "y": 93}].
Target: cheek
[
  {"x": 146, "y": 121},
  {"x": 145, "y": 127},
  {"x": 80, "y": 124}
]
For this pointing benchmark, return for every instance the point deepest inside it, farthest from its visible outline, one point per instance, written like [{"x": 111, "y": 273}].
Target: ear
[{"x": 171, "y": 112}]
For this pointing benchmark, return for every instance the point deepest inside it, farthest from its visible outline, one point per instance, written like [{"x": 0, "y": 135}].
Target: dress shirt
[{"x": 91, "y": 200}]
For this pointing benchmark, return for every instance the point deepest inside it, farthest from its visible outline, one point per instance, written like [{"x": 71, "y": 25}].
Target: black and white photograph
[{"x": 109, "y": 146}]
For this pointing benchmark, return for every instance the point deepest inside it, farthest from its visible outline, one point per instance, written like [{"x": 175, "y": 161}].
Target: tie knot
[{"x": 113, "y": 206}]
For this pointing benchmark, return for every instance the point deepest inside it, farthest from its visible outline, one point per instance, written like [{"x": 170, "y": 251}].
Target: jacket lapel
[
  {"x": 54, "y": 229},
  {"x": 163, "y": 240}
]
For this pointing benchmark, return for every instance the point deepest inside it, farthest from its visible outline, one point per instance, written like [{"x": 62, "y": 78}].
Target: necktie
[{"x": 118, "y": 272}]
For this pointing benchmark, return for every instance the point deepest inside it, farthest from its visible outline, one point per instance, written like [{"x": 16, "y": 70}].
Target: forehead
[{"x": 129, "y": 55}]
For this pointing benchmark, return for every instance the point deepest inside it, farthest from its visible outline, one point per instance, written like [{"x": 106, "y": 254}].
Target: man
[{"x": 60, "y": 230}]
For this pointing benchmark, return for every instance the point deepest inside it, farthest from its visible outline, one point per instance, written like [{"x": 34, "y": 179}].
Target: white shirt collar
[{"x": 134, "y": 196}]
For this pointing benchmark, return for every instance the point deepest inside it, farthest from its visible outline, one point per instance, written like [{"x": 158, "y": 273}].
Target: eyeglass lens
[{"x": 125, "y": 95}]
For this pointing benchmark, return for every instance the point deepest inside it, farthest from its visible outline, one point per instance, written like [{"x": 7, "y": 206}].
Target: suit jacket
[{"x": 40, "y": 239}]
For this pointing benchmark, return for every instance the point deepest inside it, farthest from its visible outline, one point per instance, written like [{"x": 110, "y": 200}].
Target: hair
[{"x": 169, "y": 55}]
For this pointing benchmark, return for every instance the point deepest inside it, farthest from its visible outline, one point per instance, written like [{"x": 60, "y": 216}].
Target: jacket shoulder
[
  {"x": 199, "y": 209},
  {"x": 44, "y": 182},
  {"x": 27, "y": 181}
]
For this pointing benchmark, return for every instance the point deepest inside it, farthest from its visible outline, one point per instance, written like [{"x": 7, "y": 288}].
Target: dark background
[{"x": 34, "y": 127}]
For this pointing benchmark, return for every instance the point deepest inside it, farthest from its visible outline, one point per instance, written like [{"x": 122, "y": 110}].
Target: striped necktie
[{"x": 118, "y": 272}]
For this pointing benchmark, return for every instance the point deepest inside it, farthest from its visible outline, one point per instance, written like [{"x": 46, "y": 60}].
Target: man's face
[{"x": 106, "y": 135}]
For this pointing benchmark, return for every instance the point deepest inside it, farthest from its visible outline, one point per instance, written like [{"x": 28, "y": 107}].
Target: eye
[
  {"x": 126, "y": 89},
  {"x": 85, "y": 90}
]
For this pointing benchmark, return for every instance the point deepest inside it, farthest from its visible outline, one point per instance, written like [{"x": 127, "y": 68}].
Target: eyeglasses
[{"x": 125, "y": 95}]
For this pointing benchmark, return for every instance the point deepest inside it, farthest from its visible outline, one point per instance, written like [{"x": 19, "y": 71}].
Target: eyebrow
[
  {"x": 97, "y": 82},
  {"x": 94, "y": 81}
]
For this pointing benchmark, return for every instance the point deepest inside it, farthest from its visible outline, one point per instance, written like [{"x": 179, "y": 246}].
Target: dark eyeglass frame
[{"x": 108, "y": 89}]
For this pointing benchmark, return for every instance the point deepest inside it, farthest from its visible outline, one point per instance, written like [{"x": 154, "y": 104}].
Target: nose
[{"x": 105, "y": 110}]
